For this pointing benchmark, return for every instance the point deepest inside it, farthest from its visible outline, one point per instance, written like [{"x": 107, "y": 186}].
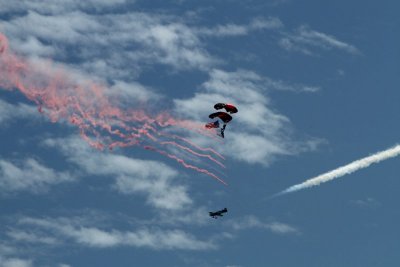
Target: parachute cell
[
  {"x": 225, "y": 117},
  {"x": 228, "y": 107}
]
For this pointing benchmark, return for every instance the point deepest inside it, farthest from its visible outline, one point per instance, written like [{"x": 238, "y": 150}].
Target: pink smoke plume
[{"x": 61, "y": 96}]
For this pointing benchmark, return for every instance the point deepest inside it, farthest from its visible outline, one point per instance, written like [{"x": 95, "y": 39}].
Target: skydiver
[
  {"x": 223, "y": 116},
  {"x": 223, "y": 130}
]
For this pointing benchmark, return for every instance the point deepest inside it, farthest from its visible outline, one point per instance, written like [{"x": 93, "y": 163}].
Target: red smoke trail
[
  {"x": 181, "y": 161},
  {"x": 61, "y": 96},
  {"x": 149, "y": 127},
  {"x": 192, "y": 152},
  {"x": 153, "y": 129},
  {"x": 193, "y": 144}
]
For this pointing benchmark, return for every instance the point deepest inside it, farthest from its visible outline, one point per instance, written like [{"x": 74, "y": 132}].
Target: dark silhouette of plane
[{"x": 215, "y": 214}]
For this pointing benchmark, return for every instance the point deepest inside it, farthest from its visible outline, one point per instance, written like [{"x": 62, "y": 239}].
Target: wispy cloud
[
  {"x": 110, "y": 45},
  {"x": 261, "y": 133},
  {"x": 6, "y": 250},
  {"x": 238, "y": 30},
  {"x": 9, "y": 112},
  {"x": 51, "y": 7},
  {"x": 15, "y": 262},
  {"x": 30, "y": 237},
  {"x": 90, "y": 236},
  {"x": 194, "y": 216},
  {"x": 251, "y": 221},
  {"x": 153, "y": 179},
  {"x": 133, "y": 93},
  {"x": 369, "y": 203},
  {"x": 9, "y": 258},
  {"x": 306, "y": 40},
  {"x": 292, "y": 87},
  {"x": 117, "y": 46},
  {"x": 29, "y": 175}
]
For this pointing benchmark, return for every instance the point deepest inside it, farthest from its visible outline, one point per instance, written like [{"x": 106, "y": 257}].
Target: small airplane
[{"x": 215, "y": 214}]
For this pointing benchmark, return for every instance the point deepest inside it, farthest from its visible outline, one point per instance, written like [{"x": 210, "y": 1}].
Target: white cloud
[
  {"x": 238, "y": 30},
  {"x": 132, "y": 93},
  {"x": 14, "y": 262},
  {"x": 367, "y": 203},
  {"x": 6, "y": 250},
  {"x": 251, "y": 221},
  {"x": 154, "y": 238},
  {"x": 115, "y": 46},
  {"x": 29, "y": 237},
  {"x": 12, "y": 255},
  {"x": 285, "y": 86},
  {"x": 288, "y": 44},
  {"x": 29, "y": 175},
  {"x": 112, "y": 45},
  {"x": 154, "y": 179},
  {"x": 258, "y": 131},
  {"x": 32, "y": 46},
  {"x": 175, "y": 44},
  {"x": 9, "y": 112},
  {"x": 52, "y": 7},
  {"x": 306, "y": 40},
  {"x": 194, "y": 216},
  {"x": 161, "y": 193},
  {"x": 254, "y": 148},
  {"x": 59, "y": 29}
]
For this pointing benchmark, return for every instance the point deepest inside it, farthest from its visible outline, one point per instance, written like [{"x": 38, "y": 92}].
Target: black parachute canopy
[
  {"x": 225, "y": 117},
  {"x": 228, "y": 107}
]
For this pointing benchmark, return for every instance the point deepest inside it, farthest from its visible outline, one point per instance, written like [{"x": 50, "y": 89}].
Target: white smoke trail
[{"x": 347, "y": 169}]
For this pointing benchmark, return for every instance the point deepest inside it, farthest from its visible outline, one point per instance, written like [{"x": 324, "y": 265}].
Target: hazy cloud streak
[
  {"x": 89, "y": 236},
  {"x": 306, "y": 40},
  {"x": 29, "y": 175}
]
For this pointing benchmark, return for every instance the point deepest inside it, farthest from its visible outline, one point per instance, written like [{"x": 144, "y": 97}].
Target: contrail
[{"x": 347, "y": 169}]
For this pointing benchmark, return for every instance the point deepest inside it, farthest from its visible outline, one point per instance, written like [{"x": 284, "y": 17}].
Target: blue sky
[{"x": 315, "y": 85}]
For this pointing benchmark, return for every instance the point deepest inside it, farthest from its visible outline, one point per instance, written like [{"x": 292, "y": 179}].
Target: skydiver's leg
[{"x": 223, "y": 130}]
